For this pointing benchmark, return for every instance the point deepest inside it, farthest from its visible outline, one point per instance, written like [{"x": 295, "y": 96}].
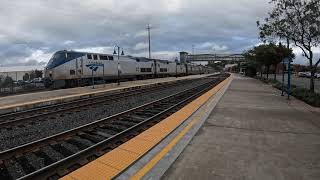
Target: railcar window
[
  {"x": 103, "y": 57},
  {"x": 72, "y": 72},
  {"x": 110, "y": 58},
  {"x": 95, "y": 57},
  {"x": 163, "y": 70},
  {"x": 89, "y": 56},
  {"x": 145, "y": 69}
]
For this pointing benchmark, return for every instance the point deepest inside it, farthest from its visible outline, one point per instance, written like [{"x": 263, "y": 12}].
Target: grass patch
[{"x": 303, "y": 94}]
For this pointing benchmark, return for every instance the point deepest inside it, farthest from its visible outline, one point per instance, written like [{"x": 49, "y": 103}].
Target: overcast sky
[{"x": 32, "y": 30}]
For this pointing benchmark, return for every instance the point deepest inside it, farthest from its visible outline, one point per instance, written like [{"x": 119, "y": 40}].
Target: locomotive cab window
[
  {"x": 89, "y": 56},
  {"x": 103, "y": 57},
  {"x": 72, "y": 72},
  {"x": 95, "y": 57},
  {"x": 110, "y": 58}
]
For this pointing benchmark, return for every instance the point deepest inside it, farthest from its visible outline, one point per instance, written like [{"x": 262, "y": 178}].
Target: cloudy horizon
[{"x": 31, "y": 31}]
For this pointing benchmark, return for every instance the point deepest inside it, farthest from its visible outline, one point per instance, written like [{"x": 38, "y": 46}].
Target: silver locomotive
[{"x": 71, "y": 68}]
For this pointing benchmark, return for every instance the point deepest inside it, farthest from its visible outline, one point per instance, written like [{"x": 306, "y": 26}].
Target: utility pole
[
  {"x": 192, "y": 49},
  {"x": 148, "y": 28},
  {"x": 192, "y": 52}
]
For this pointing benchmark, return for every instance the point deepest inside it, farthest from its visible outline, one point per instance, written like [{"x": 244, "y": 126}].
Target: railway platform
[
  {"x": 32, "y": 100},
  {"x": 240, "y": 129},
  {"x": 253, "y": 133}
]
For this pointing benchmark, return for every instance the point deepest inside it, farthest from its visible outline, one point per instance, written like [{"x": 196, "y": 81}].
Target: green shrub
[
  {"x": 303, "y": 94},
  {"x": 307, "y": 96}
]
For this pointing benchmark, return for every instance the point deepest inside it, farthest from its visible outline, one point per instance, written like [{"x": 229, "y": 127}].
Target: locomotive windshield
[
  {"x": 62, "y": 57},
  {"x": 57, "y": 59}
]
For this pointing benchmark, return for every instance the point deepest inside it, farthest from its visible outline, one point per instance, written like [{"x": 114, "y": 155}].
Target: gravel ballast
[{"x": 56, "y": 124}]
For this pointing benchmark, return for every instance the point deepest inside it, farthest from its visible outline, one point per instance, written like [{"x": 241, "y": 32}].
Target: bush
[
  {"x": 277, "y": 85},
  {"x": 303, "y": 94},
  {"x": 250, "y": 71},
  {"x": 307, "y": 96}
]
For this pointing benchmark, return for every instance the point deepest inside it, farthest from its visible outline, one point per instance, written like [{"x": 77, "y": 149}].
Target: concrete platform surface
[
  {"x": 30, "y": 100},
  {"x": 253, "y": 134}
]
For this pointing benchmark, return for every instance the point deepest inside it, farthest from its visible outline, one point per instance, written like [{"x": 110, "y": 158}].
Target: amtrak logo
[{"x": 94, "y": 67}]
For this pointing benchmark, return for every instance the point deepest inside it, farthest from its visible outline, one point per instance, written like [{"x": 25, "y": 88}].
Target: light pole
[
  {"x": 283, "y": 67},
  {"x": 148, "y": 28},
  {"x": 192, "y": 52},
  {"x": 176, "y": 61},
  {"x": 118, "y": 65}
]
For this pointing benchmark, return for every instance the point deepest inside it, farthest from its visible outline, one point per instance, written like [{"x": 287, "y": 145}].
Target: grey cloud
[{"x": 29, "y": 26}]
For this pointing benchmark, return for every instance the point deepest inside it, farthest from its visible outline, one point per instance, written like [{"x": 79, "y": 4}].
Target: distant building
[
  {"x": 183, "y": 57},
  {"x": 17, "y": 72},
  {"x": 230, "y": 67}
]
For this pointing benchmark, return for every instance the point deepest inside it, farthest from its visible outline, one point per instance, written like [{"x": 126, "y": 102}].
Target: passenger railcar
[{"x": 71, "y": 68}]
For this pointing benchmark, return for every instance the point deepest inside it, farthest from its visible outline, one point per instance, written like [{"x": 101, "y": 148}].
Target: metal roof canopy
[{"x": 215, "y": 57}]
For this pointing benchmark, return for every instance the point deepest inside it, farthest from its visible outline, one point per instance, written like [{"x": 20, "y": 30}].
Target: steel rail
[
  {"x": 95, "y": 100},
  {"x": 98, "y": 148},
  {"x": 51, "y": 170}
]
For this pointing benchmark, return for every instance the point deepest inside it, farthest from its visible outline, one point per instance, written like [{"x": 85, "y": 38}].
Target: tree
[
  {"x": 297, "y": 21},
  {"x": 1, "y": 79},
  {"x": 250, "y": 65},
  {"x": 263, "y": 55},
  {"x": 7, "y": 81},
  {"x": 35, "y": 74},
  {"x": 38, "y": 73},
  {"x": 26, "y": 77},
  {"x": 266, "y": 55}
]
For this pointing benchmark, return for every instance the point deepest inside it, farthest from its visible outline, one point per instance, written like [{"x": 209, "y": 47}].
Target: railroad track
[
  {"x": 54, "y": 156},
  {"x": 11, "y": 120}
]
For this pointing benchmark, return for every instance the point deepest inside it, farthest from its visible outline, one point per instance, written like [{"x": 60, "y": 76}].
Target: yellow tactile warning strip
[
  {"x": 117, "y": 160},
  {"x": 145, "y": 169}
]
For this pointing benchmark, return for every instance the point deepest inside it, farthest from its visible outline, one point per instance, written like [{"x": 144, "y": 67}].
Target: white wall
[{"x": 15, "y": 75}]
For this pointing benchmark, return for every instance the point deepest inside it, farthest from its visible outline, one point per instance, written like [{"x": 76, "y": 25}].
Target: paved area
[
  {"x": 255, "y": 134},
  {"x": 63, "y": 93},
  {"x": 299, "y": 81}
]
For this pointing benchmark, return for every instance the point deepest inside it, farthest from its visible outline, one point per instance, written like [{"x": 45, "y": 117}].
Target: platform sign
[
  {"x": 94, "y": 67},
  {"x": 286, "y": 60},
  {"x": 287, "y": 88}
]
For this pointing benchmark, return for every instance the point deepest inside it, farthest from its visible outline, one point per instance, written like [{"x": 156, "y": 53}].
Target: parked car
[
  {"x": 301, "y": 74},
  {"x": 21, "y": 82},
  {"x": 304, "y": 74},
  {"x": 37, "y": 80}
]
